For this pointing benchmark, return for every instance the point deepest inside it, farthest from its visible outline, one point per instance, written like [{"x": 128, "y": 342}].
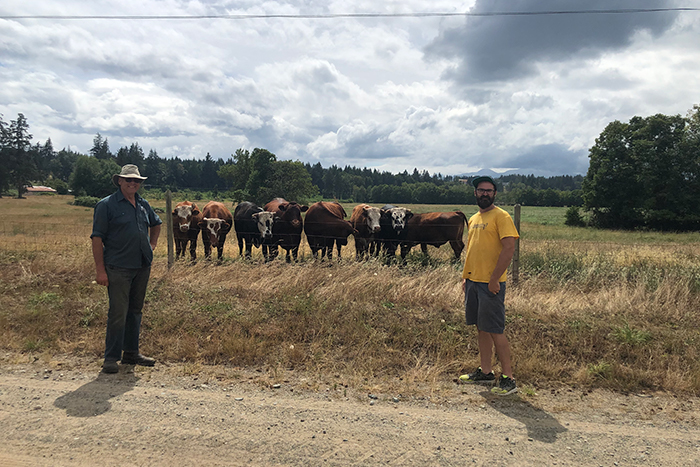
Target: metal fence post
[
  {"x": 515, "y": 270},
  {"x": 169, "y": 224}
]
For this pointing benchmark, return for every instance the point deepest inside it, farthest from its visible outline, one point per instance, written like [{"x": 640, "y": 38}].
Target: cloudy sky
[{"x": 447, "y": 94}]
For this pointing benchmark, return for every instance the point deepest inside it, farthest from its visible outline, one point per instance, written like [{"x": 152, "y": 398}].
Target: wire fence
[{"x": 52, "y": 231}]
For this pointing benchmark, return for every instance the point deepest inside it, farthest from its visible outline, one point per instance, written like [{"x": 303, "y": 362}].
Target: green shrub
[
  {"x": 87, "y": 201},
  {"x": 574, "y": 218}
]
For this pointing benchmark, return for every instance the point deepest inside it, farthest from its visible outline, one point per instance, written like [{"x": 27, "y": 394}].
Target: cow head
[
  {"x": 398, "y": 217},
  {"x": 264, "y": 220},
  {"x": 182, "y": 215},
  {"x": 372, "y": 218},
  {"x": 291, "y": 212},
  {"x": 215, "y": 228}
]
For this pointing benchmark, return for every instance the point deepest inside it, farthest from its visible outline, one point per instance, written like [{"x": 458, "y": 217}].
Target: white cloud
[{"x": 343, "y": 91}]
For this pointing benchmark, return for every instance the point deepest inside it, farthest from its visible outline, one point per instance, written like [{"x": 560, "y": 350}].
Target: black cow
[
  {"x": 286, "y": 230},
  {"x": 393, "y": 229},
  {"x": 253, "y": 226}
]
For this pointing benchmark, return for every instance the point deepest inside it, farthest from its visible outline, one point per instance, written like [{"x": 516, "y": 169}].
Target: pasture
[{"x": 592, "y": 308}]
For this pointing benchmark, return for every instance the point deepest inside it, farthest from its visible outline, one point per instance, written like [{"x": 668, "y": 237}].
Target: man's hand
[
  {"x": 494, "y": 286},
  {"x": 102, "y": 277}
]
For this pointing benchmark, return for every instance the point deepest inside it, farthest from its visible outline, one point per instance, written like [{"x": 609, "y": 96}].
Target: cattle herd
[{"x": 279, "y": 224}]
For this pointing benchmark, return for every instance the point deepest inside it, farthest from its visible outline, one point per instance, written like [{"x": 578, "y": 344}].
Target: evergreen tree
[
  {"x": 100, "y": 148},
  {"x": 21, "y": 162}
]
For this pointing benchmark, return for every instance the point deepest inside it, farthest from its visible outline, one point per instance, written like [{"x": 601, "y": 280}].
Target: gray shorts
[{"x": 486, "y": 310}]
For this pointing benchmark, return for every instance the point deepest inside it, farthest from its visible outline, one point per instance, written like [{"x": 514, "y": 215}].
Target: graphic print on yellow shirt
[{"x": 484, "y": 244}]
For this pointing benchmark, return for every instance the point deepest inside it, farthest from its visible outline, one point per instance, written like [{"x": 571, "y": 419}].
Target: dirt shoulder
[{"x": 55, "y": 414}]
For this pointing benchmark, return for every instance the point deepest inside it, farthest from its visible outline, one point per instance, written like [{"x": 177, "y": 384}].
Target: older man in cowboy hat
[{"x": 125, "y": 232}]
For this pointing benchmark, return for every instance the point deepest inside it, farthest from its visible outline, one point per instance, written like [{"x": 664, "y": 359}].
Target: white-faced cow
[
  {"x": 287, "y": 228},
  {"x": 365, "y": 220},
  {"x": 216, "y": 224},
  {"x": 393, "y": 229},
  {"x": 186, "y": 218},
  {"x": 253, "y": 226},
  {"x": 324, "y": 226},
  {"x": 435, "y": 228}
]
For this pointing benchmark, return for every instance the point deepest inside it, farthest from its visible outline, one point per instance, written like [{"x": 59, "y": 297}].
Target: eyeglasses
[
  {"x": 482, "y": 191},
  {"x": 132, "y": 180}
]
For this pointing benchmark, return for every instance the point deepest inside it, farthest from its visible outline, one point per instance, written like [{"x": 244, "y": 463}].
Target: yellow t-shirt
[{"x": 484, "y": 244}]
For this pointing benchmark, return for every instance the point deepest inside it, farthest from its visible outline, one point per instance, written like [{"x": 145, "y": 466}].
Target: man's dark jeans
[{"x": 127, "y": 291}]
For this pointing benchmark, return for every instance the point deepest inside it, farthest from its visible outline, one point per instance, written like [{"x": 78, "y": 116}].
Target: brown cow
[
  {"x": 364, "y": 219},
  {"x": 186, "y": 218},
  {"x": 325, "y": 225},
  {"x": 286, "y": 230},
  {"x": 215, "y": 224},
  {"x": 435, "y": 228}
]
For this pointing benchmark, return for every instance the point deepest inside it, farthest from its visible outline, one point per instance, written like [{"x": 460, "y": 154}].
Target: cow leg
[
  {"x": 249, "y": 249},
  {"x": 240, "y": 246},
  {"x": 424, "y": 248},
  {"x": 338, "y": 247},
  {"x": 193, "y": 249},
  {"x": 178, "y": 248},
  {"x": 207, "y": 247},
  {"x": 405, "y": 249},
  {"x": 457, "y": 247},
  {"x": 274, "y": 252},
  {"x": 329, "y": 244}
]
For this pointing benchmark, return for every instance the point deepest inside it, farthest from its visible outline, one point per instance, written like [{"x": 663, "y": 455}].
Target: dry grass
[{"x": 595, "y": 314}]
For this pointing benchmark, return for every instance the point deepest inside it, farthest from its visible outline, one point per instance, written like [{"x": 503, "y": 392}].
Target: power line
[{"x": 349, "y": 15}]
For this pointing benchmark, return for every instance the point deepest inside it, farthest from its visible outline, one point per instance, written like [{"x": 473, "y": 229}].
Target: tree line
[
  {"x": 255, "y": 175},
  {"x": 642, "y": 174}
]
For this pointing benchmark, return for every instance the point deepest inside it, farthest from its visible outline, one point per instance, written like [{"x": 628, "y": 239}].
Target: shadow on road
[
  {"x": 540, "y": 425},
  {"x": 92, "y": 399}
]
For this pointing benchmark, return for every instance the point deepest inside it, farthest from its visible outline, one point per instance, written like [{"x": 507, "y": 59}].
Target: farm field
[
  {"x": 352, "y": 363},
  {"x": 614, "y": 310}
]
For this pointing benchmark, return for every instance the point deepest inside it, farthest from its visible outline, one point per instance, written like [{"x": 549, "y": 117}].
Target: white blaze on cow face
[
  {"x": 372, "y": 219},
  {"x": 184, "y": 216},
  {"x": 214, "y": 227},
  {"x": 265, "y": 220},
  {"x": 398, "y": 218}
]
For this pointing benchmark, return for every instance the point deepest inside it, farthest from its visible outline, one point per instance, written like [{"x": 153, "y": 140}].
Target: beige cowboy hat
[{"x": 128, "y": 171}]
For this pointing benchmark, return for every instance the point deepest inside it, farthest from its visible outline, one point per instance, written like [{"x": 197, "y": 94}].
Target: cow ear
[
  {"x": 174, "y": 212},
  {"x": 256, "y": 215},
  {"x": 304, "y": 208},
  {"x": 226, "y": 226},
  {"x": 283, "y": 206},
  {"x": 409, "y": 214},
  {"x": 202, "y": 224}
]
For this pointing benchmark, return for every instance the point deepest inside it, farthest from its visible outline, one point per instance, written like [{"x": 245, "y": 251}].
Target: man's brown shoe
[
  {"x": 110, "y": 366},
  {"x": 133, "y": 358}
]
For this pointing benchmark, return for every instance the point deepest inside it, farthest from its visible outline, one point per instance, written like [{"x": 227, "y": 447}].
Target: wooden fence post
[
  {"x": 169, "y": 224},
  {"x": 515, "y": 270}
]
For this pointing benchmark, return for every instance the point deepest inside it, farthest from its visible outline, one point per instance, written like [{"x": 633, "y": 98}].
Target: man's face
[
  {"x": 129, "y": 185},
  {"x": 485, "y": 194}
]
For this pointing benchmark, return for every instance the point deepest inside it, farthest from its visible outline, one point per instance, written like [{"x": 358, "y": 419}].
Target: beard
[{"x": 484, "y": 201}]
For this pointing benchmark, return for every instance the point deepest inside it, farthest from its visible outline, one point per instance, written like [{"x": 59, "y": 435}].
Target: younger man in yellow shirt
[{"x": 490, "y": 249}]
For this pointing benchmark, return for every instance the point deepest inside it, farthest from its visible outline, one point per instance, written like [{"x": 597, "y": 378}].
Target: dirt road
[{"x": 53, "y": 414}]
